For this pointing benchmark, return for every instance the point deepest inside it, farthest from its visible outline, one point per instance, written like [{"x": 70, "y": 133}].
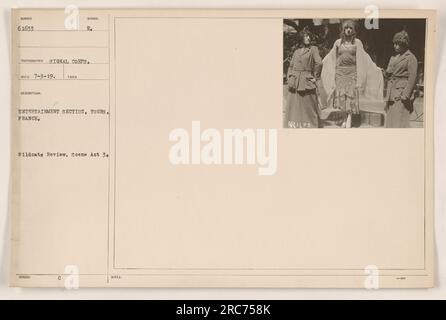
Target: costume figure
[
  {"x": 304, "y": 69},
  {"x": 349, "y": 75},
  {"x": 401, "y": 75}
]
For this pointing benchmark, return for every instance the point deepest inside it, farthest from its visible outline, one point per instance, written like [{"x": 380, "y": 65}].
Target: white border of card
[{"x": 118, "y": 216}]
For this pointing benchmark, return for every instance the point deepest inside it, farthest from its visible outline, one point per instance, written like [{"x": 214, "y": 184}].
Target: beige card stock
[{"x": 149, "y": 151}]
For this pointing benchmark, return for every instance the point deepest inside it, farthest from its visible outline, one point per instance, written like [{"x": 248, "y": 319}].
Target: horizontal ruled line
[
  {"x": 72, "y": 64},
  {"x": 63, "y": 30},
  {"x": 227, "y": 274},
  {"x": 62, "y": 47},
  {"x": 62, "y": 79}
]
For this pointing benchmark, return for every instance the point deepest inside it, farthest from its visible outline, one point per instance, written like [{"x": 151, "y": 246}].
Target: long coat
[
  {"x": 402, "y": 76},
  {"x": 302, "y": 104},
  {"x": 305, "y": 65}
]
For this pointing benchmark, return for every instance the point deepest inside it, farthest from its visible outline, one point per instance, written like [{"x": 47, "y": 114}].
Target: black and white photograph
[
  {"x": 148, "y": 153},
  {"x": 351, "y": 73}
]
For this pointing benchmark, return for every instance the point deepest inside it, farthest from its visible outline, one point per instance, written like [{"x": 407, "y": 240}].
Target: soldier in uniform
[
  {"x": 401, "y": 75},
  {"x": 305, "y": 67}
]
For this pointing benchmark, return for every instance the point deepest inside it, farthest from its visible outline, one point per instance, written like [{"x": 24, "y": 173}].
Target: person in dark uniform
[
  {"x": 305, "y": 67},
  {"x": 401, "y": 75}
]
